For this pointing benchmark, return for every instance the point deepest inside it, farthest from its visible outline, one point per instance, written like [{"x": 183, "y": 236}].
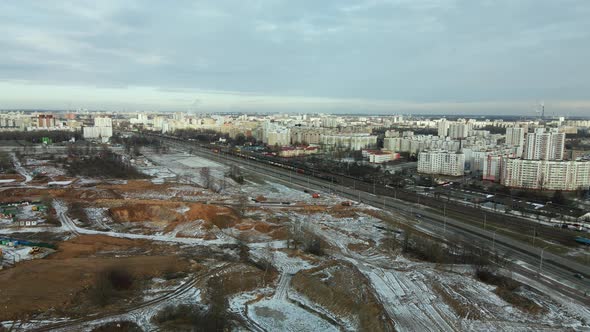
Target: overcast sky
[{"x": 385, "y": 56}]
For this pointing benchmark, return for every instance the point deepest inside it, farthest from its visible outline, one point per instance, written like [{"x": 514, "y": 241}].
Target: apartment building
[
  {"x": 545, "y": 174},
  {"x": 102, "y": 129},
  {"x": 544, "y": 145},
  {"x": 441, "y": 162},
  {"x": 356, "y": 141}
]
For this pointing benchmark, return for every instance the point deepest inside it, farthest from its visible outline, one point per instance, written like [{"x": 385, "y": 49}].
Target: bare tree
[
  {"x": 242, "y": 206},
  {"x": 206, "y": 177}
]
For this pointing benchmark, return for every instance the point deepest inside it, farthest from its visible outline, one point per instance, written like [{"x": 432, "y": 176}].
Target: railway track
[
  {"x": 469, "y": 223},
  {"x": 466, "y": 212}
]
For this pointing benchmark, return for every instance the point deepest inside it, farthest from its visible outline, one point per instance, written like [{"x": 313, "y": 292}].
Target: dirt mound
[
  {"x": 145, "y": 212},
  {"x": 263, "y": 227},
  {"x": 339, "y": 211},
  {"x": 260, "y": 199}
]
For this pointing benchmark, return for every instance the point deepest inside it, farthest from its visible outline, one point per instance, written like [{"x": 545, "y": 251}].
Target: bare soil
[{"x": 57, "y": 285}]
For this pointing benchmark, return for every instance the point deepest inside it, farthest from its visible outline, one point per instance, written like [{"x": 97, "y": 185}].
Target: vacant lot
[{"x": 60, "y": 282}]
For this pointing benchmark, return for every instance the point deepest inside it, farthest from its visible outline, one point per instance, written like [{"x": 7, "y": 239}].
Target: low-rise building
[
  {"x": 290, "y": 152},
  {"x": 379, "y": 157}
]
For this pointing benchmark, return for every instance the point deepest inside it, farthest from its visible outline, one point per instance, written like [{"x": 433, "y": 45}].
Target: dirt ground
[
  {"x": 58, "y": 282},
  {"x": 69, "y": 194},
  {"x": 16, "y": 177},
  {"x": 172, "y": 214},
  {"x": 94, "y": 245}
]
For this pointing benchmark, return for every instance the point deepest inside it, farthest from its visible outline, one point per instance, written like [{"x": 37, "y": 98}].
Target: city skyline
[{"x": 419, "y": 57}]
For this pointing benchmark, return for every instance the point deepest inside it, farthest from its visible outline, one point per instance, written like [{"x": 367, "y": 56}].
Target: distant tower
[{"x": 541, "y": 111}]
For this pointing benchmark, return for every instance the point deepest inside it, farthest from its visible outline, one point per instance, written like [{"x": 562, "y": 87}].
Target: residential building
[
  {"x": 546, "y": 174},
  {"x": 543, "y": 145},
  {"x": 356, "y": 141},
  {"x": 441, "y": 162},
  {"x": 102, "y": 129}
]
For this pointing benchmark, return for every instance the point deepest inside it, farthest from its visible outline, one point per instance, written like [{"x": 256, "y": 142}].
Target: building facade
[
  {"x": 542, "y": 145},
  {"x": 545, "y": 174},
  {"x": 441, "y": 162}
]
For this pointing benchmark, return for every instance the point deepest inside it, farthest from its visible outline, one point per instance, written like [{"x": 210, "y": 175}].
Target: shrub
[{"x": 108, "y": 283}]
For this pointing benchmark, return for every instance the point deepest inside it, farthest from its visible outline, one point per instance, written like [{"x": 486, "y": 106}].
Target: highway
[{"x": 553, "y": 268}]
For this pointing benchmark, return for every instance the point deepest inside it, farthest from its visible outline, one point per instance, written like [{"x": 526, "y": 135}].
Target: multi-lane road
[{"x": 547, "y": 267}]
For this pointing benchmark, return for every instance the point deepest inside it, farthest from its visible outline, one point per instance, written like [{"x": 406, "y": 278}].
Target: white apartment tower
[
  {"x": 102, "y": 129},
  {"x": 515, "y": 136},
  {"x": 441, "y": 162},
  {"x": 542, "y": 145},
  {"x": 443, "y": 128},
  {"x": 458, "y": 130}
]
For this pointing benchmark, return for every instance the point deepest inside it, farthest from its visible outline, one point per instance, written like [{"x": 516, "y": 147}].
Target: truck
[
  {"x": 583, "y": 240},
  {"x": 315, "y": 195}
]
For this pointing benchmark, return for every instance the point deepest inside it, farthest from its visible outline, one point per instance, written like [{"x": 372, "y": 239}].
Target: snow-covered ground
[
  {"x": 279, "y": 315},
  {"x": 406, "y": 288}
]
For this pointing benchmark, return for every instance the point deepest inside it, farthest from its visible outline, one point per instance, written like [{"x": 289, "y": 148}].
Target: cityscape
[{"x": 355, "y": 165}]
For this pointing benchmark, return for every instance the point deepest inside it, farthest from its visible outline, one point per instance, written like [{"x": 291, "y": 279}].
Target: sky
[{"x": 338, "y": 56}]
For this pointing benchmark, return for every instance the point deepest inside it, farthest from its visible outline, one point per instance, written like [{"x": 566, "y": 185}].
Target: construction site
[{"x": 189, "y": 245}]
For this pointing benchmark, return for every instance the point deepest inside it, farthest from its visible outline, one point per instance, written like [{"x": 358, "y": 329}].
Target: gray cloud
[{"x": 423, "y": 51}]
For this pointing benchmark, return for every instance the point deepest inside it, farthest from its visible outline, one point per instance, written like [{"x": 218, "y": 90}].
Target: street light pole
[
  {"x": 445, "y": 217},
  {"x": 494, "y": 240},
  {"x": 541, "y": 261}
]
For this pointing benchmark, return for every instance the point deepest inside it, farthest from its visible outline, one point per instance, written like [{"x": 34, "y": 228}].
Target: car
[{"x": 579, "y": 276}]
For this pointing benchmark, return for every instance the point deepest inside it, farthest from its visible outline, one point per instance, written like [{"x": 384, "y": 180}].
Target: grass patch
[
  {"x": 462, "y": 310},
  {"x": 507, "y": 289},
  {"x": 345, "y": 292}
]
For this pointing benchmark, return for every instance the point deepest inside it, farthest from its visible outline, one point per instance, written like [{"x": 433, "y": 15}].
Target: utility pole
[
  {"x": 445, "y": 217},
  {"x": 541, "y": 261},
  {"x": 494, "y": 240}
]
